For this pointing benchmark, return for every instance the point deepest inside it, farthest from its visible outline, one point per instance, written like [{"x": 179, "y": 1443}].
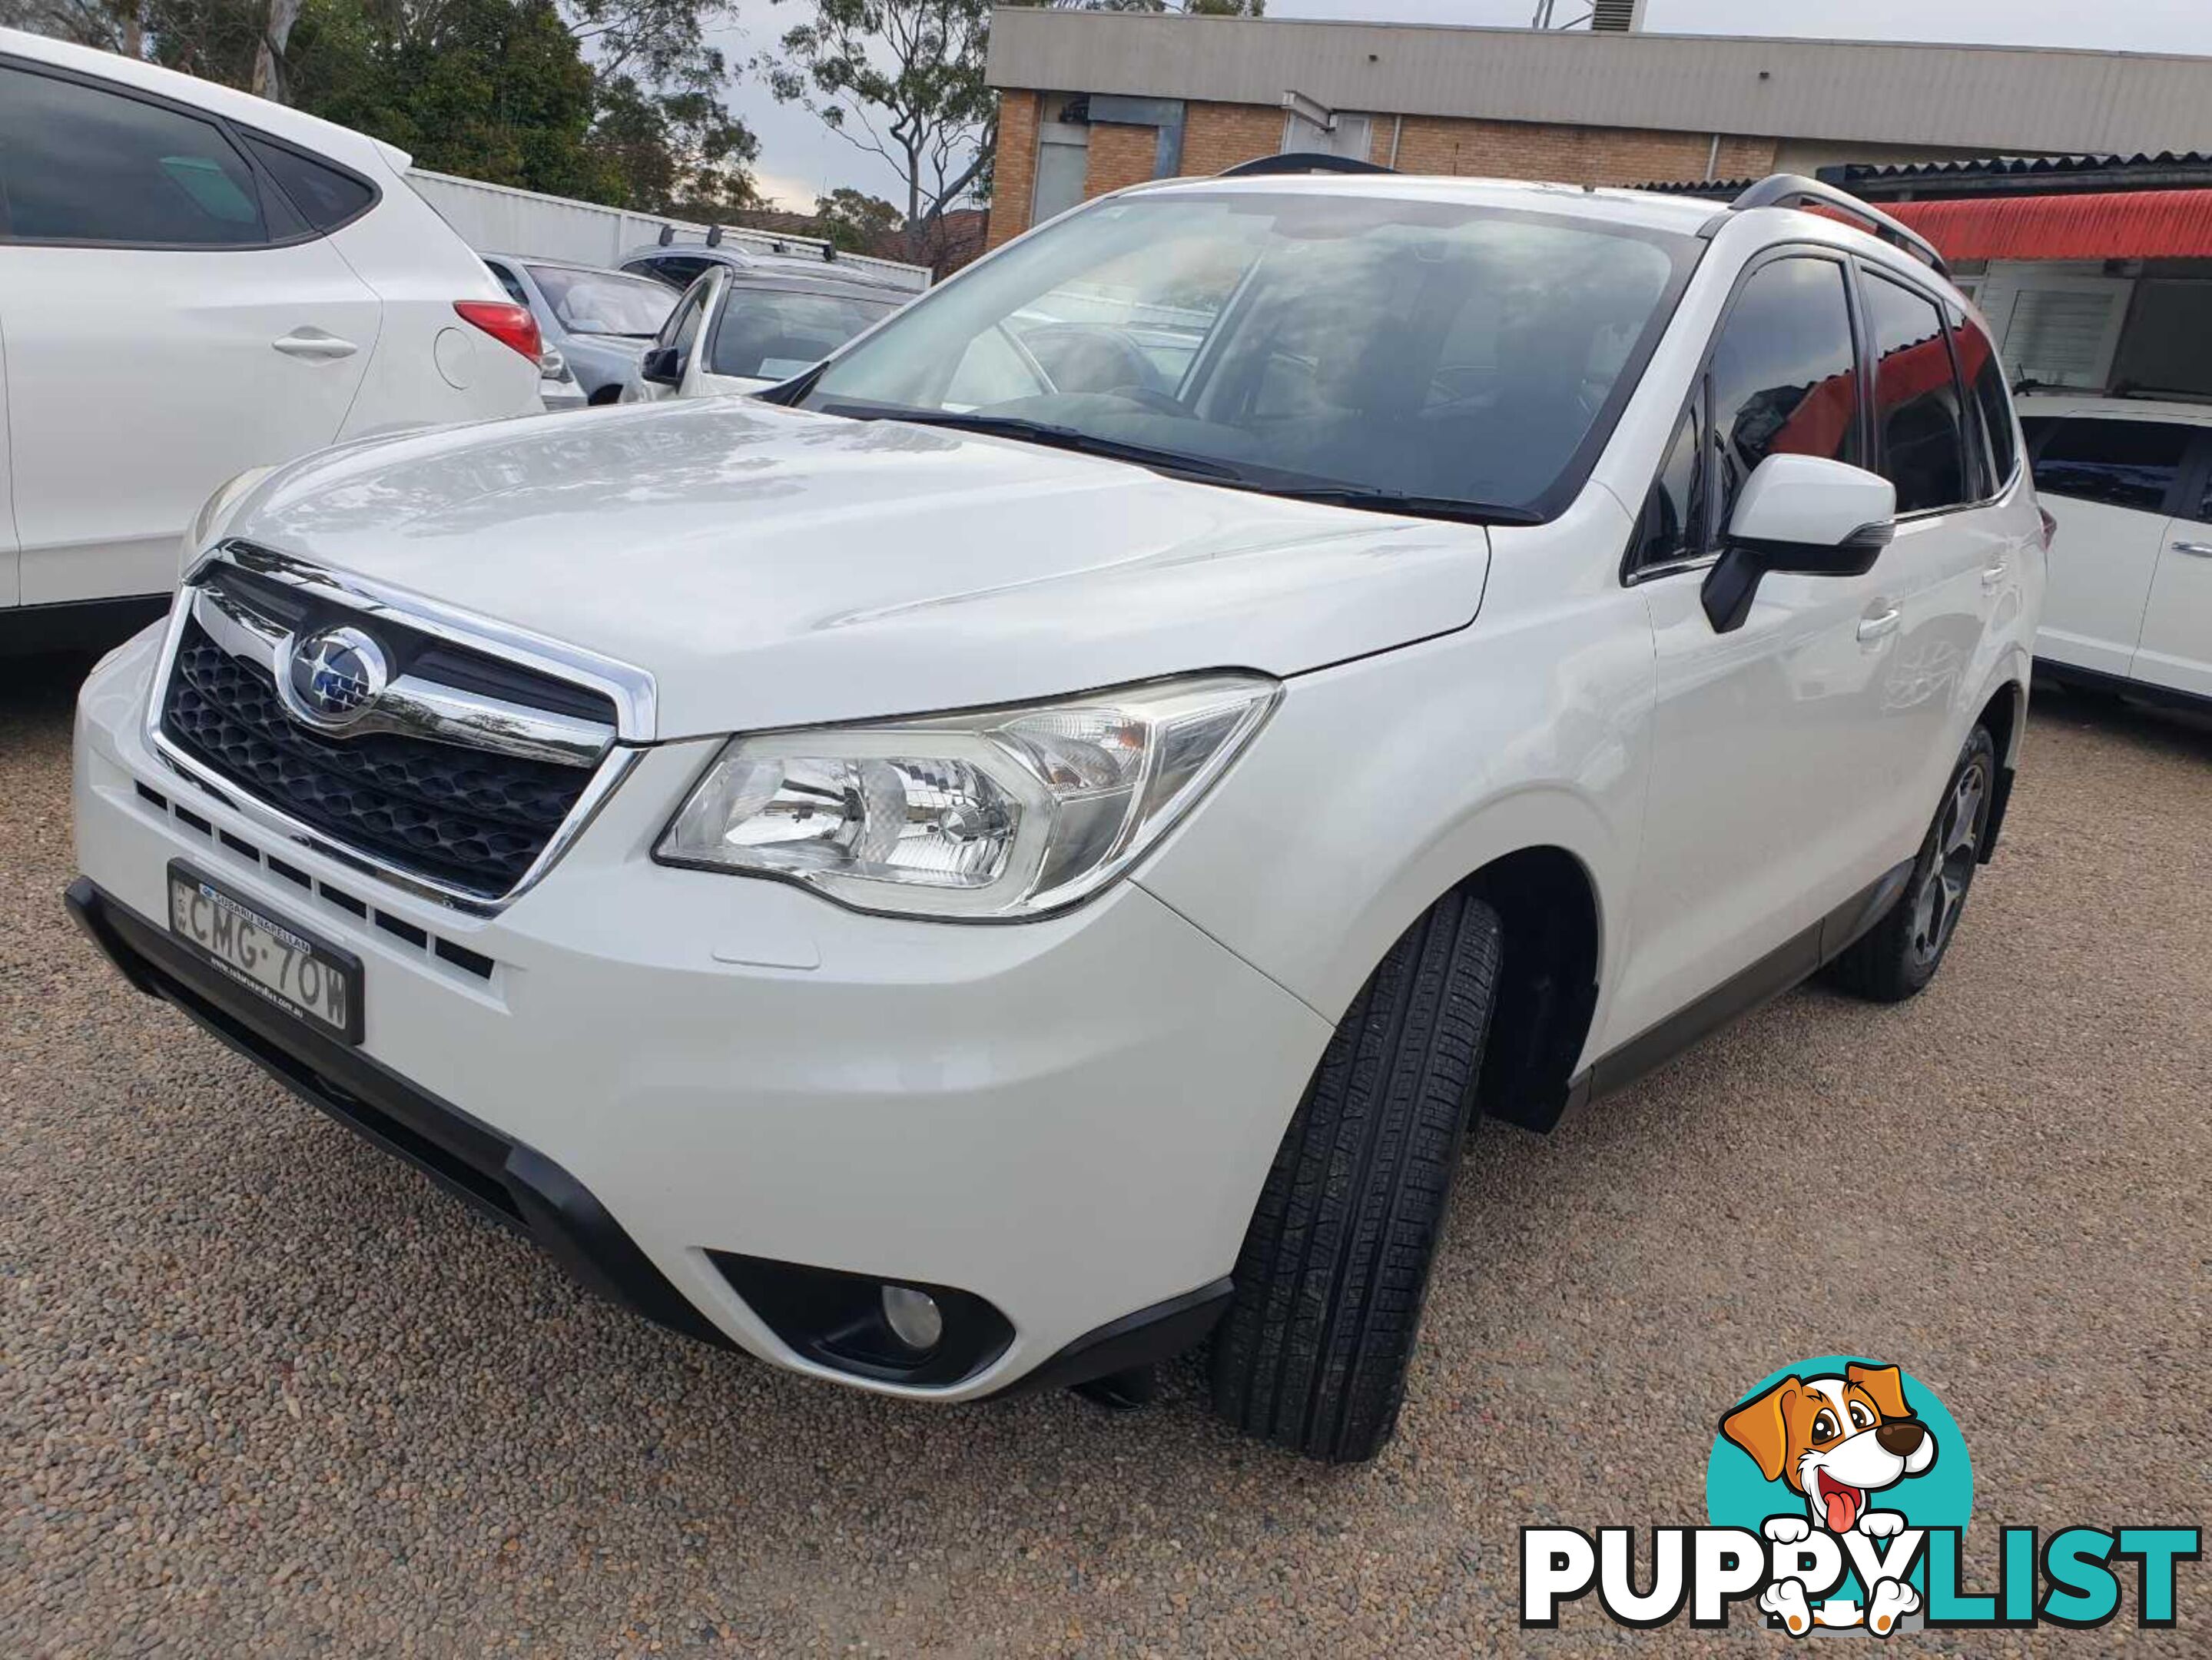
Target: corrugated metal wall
[
  {"x": 500, "y": 219},
  {"x": 1979, "y": 97}
]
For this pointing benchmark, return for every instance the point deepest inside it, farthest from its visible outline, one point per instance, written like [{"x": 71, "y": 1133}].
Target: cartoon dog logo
[{"x": 1835, "y": 1442}]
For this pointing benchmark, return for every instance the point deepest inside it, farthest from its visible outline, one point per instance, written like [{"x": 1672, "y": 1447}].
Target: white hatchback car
[
  {"x": 747, "y": 328},
  {"x": 193, "y": 282},
  {"x": 951, "y": 892},
  {"x": 2128, "y": 482}
]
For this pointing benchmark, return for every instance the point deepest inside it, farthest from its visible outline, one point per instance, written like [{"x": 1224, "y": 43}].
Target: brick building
[{"x": 1091, "y": 101}]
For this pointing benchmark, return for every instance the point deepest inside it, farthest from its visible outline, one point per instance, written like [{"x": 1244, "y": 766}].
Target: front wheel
[
  {"x": 1900, "y": 954},
  {"x": 1314, "y": 1351}
]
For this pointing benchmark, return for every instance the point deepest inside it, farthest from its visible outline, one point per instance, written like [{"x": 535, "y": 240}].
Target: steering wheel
[{"x": 1090, "y": 358}]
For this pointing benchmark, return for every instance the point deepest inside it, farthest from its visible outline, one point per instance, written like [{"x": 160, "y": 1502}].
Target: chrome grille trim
[
  {"x": 410, "y": 706},
  {"x": 428, "y": 711},
  {"x": 631, "y": 690}
]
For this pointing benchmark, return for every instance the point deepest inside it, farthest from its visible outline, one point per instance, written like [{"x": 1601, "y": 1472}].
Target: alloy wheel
[{"x": 1943, "y": 893}]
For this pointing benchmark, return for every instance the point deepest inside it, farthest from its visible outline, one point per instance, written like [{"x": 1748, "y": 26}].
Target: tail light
[
  {"x": 2050, "y": 527},
  {"x": 511, "y": 325}
]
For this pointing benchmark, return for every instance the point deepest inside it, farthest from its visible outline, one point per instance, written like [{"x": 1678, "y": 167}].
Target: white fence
[{"x": 500, "y": 219}]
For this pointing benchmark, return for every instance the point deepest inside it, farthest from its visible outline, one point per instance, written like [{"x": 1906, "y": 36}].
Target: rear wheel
[
  {"x": 1900, "y": 954},
  {"x": 1314, "y": 1351}
]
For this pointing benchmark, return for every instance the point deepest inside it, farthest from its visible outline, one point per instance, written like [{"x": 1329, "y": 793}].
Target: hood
[{"x": 772, "y": 566}]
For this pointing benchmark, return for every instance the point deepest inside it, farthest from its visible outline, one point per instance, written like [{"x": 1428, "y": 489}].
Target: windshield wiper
[
  {"x": 1369, "y": 497},
  {"x": 1055, "y": 437},
  {"x": 1374, "y": 499}
]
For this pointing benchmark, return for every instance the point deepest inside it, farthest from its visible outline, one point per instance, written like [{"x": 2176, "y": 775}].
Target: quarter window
[
  {"x": 1917, "y": 407},
  {"x": 1784, "y": 375},
  {"x": 682, "y": 330},
  {"x": 1674, "y": 513},
  {"x": 2121, "y": 463},
  {"x": 326, "y": 198},
  {"x": 1979, "y": 366},
  {"x": 78, "y": 164},
  {"x": 679, "y": 271},
  {"x": 507, "y": 280}
]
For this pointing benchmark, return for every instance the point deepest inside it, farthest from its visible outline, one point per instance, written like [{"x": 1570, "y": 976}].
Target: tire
[
  {"x": 1313, "y": 1352},
  {"x": 1899, "y": 956}
]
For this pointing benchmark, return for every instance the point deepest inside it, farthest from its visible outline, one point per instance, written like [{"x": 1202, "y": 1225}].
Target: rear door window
[
  {"x": 2120, "y": 463},
  {"x": 79, "y": 164},
  {"x": 1918, "y": 410}
]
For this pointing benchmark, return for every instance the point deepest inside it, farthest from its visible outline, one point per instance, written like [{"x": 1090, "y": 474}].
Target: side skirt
[
  {"x": 2120, "y": 686},
  {"x": 78, "y": 624},
  {"x": 1795, "y": 961}
]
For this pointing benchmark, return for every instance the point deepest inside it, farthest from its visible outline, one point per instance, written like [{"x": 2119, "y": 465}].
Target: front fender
[{"x": 1380, "y": 784}]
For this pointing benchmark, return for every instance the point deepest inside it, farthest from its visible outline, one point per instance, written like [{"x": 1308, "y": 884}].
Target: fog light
[
  {"x": 863, "y": 1324},
  {"x": 914, "y": 1317}
]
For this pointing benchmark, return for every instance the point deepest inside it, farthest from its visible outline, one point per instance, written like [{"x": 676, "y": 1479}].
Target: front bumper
[{"x": 646, "y": 1069}]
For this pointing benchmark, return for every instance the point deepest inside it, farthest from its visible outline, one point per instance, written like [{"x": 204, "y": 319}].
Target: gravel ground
[{"x": 267, "y": 1391}]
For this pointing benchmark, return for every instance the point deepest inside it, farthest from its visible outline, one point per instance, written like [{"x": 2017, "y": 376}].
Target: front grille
[{"x": 473, "y": 819}]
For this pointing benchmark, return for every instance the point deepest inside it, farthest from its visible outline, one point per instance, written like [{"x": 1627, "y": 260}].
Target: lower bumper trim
[
  {"x": 512, "y": 1183},
  {"x": 1151, "y": 1334}
]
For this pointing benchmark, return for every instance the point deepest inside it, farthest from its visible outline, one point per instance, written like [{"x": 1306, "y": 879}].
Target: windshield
[
  {"x": 771, "y": 334},
  {"x": 604, "y": 301},
  {"x": 1357, "y": 346}
]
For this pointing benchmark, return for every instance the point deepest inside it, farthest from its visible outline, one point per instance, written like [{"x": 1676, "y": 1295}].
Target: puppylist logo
[{"x": 1838, "y": 1492}]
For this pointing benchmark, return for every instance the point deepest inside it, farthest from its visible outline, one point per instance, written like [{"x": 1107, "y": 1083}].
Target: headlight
[
  {"x": 207, "y": 523},
  {"x": 1007, "y": 814}
]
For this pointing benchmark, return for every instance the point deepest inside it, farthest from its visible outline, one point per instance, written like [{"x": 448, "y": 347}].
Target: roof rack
[
  {"x": 1791, "y": 190},
  {"x": 1302, "y": 161}
]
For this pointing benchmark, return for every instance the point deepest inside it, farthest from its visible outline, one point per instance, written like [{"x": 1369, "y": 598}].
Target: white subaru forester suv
[{"x": 1030, "y": 849}]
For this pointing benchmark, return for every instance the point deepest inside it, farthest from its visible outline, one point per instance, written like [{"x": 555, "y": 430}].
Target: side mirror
[
  {"x": 663, "y": 365},
  {"x": 1803, "y": 515}
]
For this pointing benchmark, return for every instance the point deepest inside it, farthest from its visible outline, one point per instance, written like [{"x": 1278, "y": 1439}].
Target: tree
[
  {"x": 902, "y": 80},
  {"x": 1186, "y": 8},
  {"x": 102, "y": 23},
  {"x": 269, "y": 57},
  {"x": 676, "y": 152},
  {"x": 491, "y": 89},
  {"x": 854, "y": 220}
]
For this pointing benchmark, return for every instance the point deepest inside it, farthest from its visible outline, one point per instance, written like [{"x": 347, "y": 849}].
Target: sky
[{"x": 799, "y": 159}]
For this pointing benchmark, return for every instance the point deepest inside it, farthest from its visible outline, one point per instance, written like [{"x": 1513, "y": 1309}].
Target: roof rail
[
  {"x": 1302, "y": 162},
  {"x": 1791, "y": 190}
]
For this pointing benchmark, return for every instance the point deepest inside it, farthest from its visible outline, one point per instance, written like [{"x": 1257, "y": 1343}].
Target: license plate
[{"x": 309, "y": 979}]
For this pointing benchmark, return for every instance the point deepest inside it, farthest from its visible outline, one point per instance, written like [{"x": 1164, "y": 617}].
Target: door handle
[
  {"x": 2200, "y": 549},
  {"x": 1872, "y": 627},
  {"x": 314, "y": 345},
  {"x": 1993, "y": 574}
]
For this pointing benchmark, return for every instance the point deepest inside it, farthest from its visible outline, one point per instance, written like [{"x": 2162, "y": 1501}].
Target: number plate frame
[{"x": 333, "y": 959}]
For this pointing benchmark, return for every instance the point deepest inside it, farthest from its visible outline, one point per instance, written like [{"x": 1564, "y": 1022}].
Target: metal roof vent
[{"x": 1617, "y": 16}]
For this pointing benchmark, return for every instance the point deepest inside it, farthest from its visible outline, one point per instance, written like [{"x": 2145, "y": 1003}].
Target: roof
[
  {"x": 535, "y": 260},
  {"x": 1999, "y": 174},
  {"x": 1993, "y": 98},
  {"x": 1617, "y": 207},
  {"x": 2161, "y": 224},
  {"x": 745, "y": 260}
]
